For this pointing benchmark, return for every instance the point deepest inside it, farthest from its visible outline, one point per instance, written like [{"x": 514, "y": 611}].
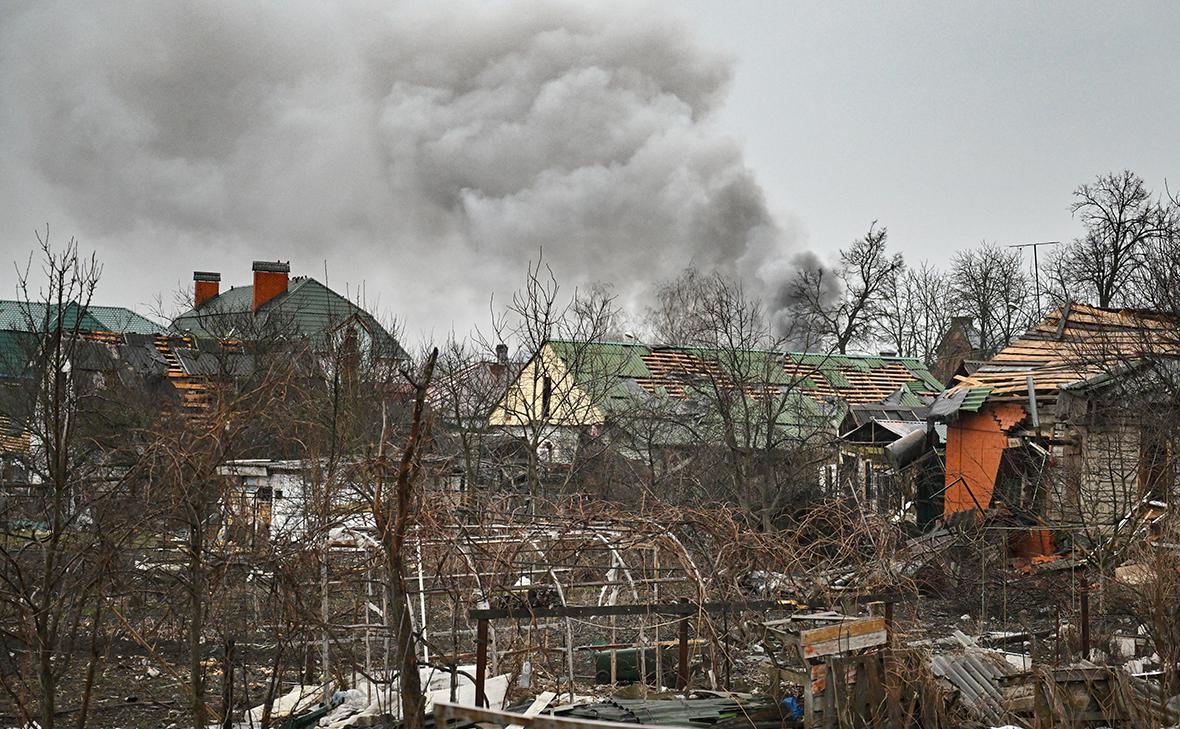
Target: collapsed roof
[
  {"x": 1074, "y": 344},
  {"x": 674, "y": 371}
]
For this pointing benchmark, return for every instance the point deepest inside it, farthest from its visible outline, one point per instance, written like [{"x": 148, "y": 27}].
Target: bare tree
[
  {"x": 248, "y": 388},
  {"x": 393, "y": 512},
  {"x": 1121, "y": 218},
  {"x": 916, "y": 314},
  {"x": 990, "y": 284},
  {"x": 60, "y": 550},
  {"x": 553, "y": 405},
  {"x": 845, "y": 305},
  {"x": 753, "y": 437},
  {"x": 677, "y": 316}
]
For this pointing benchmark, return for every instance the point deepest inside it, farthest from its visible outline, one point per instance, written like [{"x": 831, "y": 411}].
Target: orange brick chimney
[
  {"x": 207, "y": 285},
  {"x": 270, "y": 280}
]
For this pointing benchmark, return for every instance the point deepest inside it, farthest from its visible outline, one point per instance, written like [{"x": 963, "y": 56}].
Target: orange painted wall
[
  {"x": 974, "y": 446},
  {"x": 1033, "y": 543}
]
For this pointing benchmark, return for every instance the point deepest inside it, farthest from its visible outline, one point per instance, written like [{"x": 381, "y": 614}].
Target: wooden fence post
[{"x": 481, "y": 661}]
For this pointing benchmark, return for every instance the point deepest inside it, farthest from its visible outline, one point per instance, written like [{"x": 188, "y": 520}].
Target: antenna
[{"x": 1036, "y": 265}]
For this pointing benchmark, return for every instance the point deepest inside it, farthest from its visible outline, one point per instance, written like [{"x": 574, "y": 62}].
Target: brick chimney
[
  {"x": 206, "y": 285},
  {"x": 270, "y": 280}
]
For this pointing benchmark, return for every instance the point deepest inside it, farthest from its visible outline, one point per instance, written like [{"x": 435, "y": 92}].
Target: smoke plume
[{"x": 428, "y": 149}]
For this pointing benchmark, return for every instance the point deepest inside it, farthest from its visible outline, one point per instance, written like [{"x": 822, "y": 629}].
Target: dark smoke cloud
[{"x": 428, "y": 149}]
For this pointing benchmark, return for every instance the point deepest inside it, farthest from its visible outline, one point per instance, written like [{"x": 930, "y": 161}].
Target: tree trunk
[
  {"x": 47, "y": 684},
  {"x": 92, "y": 665},
  {"x": 227, "y": 684},
  {"x": 196, "y": 625},
  {"x": 392, "y": 528},
  {"x": 412, "y": 700}
]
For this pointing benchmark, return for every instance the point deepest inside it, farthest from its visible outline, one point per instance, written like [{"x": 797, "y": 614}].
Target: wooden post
[
  {"x": 1057, "y": 639},
  {"x": 1085, "y": 620},
  {"x": 725, "y": 651},
  {"x": 481, "y": 661},
  {"x": 325, "y": 674},
  {"x": 682, "y": 679}
]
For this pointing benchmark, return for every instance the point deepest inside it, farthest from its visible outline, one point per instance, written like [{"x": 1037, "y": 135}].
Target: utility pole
[{"x": 1036, "y": 265}]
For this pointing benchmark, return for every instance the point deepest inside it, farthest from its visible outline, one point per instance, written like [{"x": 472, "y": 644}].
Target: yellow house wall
[{"x": 569, "y": 405}]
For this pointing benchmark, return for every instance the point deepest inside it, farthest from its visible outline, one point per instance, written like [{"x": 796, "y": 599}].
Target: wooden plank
[
  {"x": 536, "y": 707},
  {"x": 588, "y": 611},
  {"x": 833, "y": 639}
]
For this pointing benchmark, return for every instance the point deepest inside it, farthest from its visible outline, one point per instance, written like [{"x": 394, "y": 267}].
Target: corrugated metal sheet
[
  {"x": 30, "y": 316},
  {"x": 975, "y": 399},
  {"x": 16, "y": 349},
  {"x": 976, "y": 675}
]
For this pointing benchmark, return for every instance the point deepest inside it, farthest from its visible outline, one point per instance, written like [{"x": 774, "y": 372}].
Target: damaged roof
[
  {"x": 13, "y": 438},
  {"x": 29, "y": 316},
  {"x": 1076, "y": 343},
  {"x": 674, "y": 371}
]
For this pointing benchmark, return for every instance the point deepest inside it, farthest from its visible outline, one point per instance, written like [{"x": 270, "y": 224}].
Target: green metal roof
[
  {"x": 834, "y": 376},
  {"x": 796, "y": 410},
  {"x": 119, "y": 319},
  {"x": 975, "y": 399},
  {"x": 33, "y": 316},
  {"x": 622, "y": 360},
  {"x": 308, "y": 308},
  {"x": 16, "y": 348},
  {"x": 908, "y": 398},
  {"x": 25, "y": 316}
]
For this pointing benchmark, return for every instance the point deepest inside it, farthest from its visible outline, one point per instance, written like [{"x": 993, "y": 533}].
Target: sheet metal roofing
[
  {"x": 28, "y": 316},
  {"x": 976, "y": 674},
  {"x": 676, "y": 370},
  {"x": 307, "y": 308},
  {"x": 1073, "y": 344}
]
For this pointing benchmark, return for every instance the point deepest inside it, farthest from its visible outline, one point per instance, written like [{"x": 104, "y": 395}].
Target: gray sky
[
  {"x": 427, "y": 150},
  {"x": 950, "y": 122}
]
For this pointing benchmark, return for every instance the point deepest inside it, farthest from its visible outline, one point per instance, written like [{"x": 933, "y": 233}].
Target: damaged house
[
  {"x": 1060, "y": 425},
  {"x": 888, "y": 450},
  {"x": 116, "y": 378},
  {"x": 676, "y": 412}
]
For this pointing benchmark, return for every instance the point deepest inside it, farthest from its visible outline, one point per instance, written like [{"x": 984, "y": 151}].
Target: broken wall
[{"x": 975, "y": 445}]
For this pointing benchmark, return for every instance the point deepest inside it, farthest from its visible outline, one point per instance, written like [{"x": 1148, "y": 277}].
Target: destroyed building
[
  {"x": 1058, "y": 425},
  {"x": 883, "y": 447},
  {"x": 671, "y": 404}
]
